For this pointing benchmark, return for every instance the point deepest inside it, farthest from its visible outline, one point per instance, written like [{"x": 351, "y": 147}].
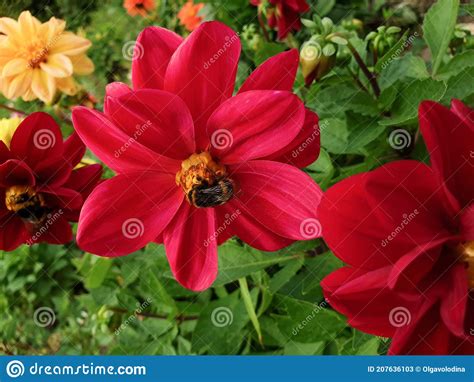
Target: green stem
[
  {"x": 245, "y": 293},
  {"x": 370, "y": 76}
]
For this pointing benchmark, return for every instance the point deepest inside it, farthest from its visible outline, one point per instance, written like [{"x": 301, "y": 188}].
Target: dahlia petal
[
  {"x": 454, "y": 303},
  {"x": 193, "y": 263},
  {"x": 449, "y": 141},
  {"x": 254, "y": 124},
  {"x": 305, "y": 148},
  {"x": 231, "y": 221},
  {"x": 114, "y": 89},
  {"x": 43, "y": 85},
  {"x": 12, "y": 232},
  {"x": 370, "y": 220},
  {"x": 15, "y": 172},
  {"x": 19, "y": 85},
  {"x": 38, "y": 138},
  {"x": 14, "y": 67},
  {"x": 84, "y": 179},
  {"x": 465, "y": 113},
  {"x": 82, "y": 64},
  {"x": 74, "y": 149},
  {"x": 158, "y": 120},
  {"x": 57, "y": 231},
  {"x": 143, "y": 205},
  {"x": 364, "y": 298},
  {"x": 114, "y": 147},
  {"x": 467, "y": 223},
  {"x": 62, "y": 197},
  {"x": 276, "y": 73},
  {"x": 57, "y": 65},
  {"x": 153, "y": 50},
  {"x": 280, "y": 197},
  {"x": 69, "y": 44},
  {"x": 202, "y": 72}
]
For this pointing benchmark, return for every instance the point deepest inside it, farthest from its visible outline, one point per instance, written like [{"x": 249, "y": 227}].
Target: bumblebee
[
  {"x": 26, "y": 203},
  {"x": 206, "y": 195}
]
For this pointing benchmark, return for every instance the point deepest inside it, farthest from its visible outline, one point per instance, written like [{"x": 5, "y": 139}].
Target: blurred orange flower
[
  {"x": 139, "y": 7},
  {"x": 188, "y": 15},
  {"x": 37, "y": 59}
]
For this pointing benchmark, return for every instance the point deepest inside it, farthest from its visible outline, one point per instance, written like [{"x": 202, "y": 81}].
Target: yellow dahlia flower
[
  {"x": 7, "y": 128},
  {"x": 37, "y": 59}
]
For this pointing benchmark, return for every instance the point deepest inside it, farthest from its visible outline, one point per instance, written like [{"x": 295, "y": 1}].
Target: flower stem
[
  {"x": 11, "y": 109},
  {"x": 370, "y": 76},
  {"x": 262, "y": 26}
]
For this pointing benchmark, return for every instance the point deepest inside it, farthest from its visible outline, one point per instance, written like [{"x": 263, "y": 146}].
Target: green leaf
[
  {"x": 394, "y": 52},
  {"x": 305, "y": 322},
  {"x": 98, "y": 273},
  {"x": 285, "y": 274},
  {"x": 153, "y": 289},
  {"x": 408, "y": 66},
  {"x": 457, "y": 64},
  {"x": 325, "y": 6},
  {"x": 299, "y": 348},
  {"x": 460, "y": 85},
  {"x": 236, "y": 261},
  {"x": 438, "y": 28},
  {"x": 405, "y": 109},
  {"x": 249, "y": 306}
]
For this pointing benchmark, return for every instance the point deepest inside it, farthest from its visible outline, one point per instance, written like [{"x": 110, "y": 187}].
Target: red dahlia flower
[
  {"x": 283, "y": 15},
  {"x": 406, "y": 232},
  {"x": 195, "y": 164},
  {"x": 42, "y": 190}
]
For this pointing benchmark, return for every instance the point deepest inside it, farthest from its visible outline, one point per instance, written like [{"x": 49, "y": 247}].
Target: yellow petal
[
  {"x": 19, "y": 85},
  {"x": 28, "y": 24},
  {"x": 15, "y": 66},
  {"x": 67, "y": 85},
  {"x": 82, "y": 64},
  {"x": 29, "y": 95},
  {"x": 43, "y": 85},
  {"x": 70, "y": 44},
  {"x": 7, "y": 127},
  {"x": 9, "y": 26},
  {"x": 57, "y": 65}
]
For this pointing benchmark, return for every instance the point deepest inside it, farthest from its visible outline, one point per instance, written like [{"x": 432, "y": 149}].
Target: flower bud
[{"x": 314, "y": 64}]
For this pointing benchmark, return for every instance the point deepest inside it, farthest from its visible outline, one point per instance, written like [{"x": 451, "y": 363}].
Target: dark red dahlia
[
  {"x": 42, "y": 188},
  {"x": 406, "y": 233}
]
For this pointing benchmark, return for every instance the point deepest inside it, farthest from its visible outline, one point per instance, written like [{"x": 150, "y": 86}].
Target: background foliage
[{"x": 57, "y": 299}]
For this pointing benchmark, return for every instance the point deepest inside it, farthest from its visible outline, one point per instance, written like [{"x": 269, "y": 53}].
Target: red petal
[
  {"x": 193, "y": 263},
  {"x": 364, "y": 297},
  {"x": 280, "y": 197},
  {"x": 372, "y": 219},
  {"x": 231, "y": 221},
  {"x": 84, "y": 179},
  {"x": 156, "y": 119},
  {"x": 12, "y": 232},
  {"x": 449, "y": 142},
  {"x": 126, "y": 212},
  {"x": 14, "y": 173},
  {"x": 305, "y": 148},
  {"x": 202, "y": 72},
  {"x": 254, "y": 124},
  {"x": 56, "y": 230},
  {"x": 37, "y": 138},
  {"x": 276, "y": 73},
  {"x": 115, "y": 148},
  {"x": 463, "y": 112},
  {"x": 153, "y": 50},
  {"x": 114, "y": 90},
  {"x": 62, "y": 198},
  {"x": 74, "y": 149}
]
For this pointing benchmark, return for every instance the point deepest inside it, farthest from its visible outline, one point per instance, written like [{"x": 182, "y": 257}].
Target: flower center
[
  {"x": 26, "y": 203},
  {"x": 204, "y": 181},
  {"x": 466, "y": 251}
]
